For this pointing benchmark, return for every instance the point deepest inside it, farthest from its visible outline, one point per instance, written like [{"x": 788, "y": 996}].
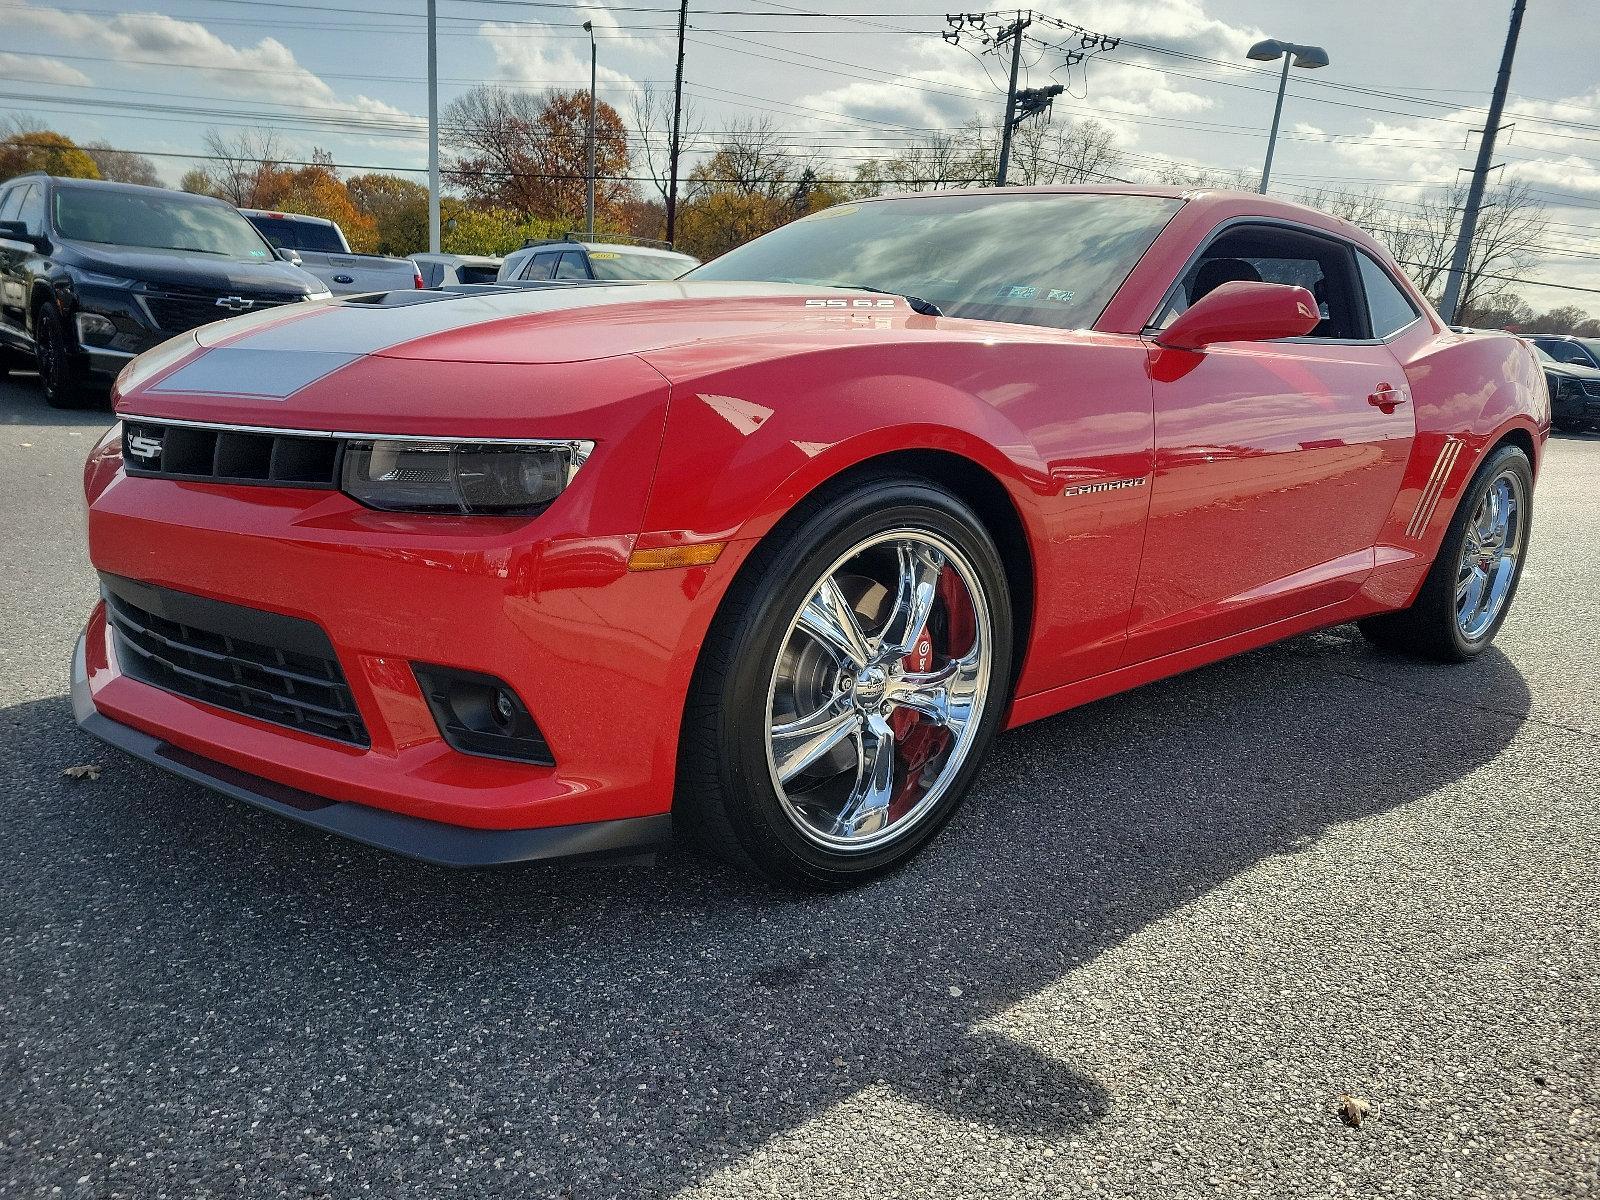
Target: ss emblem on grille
[
  {"x": 234, "y": 303},
  {"x": 143, "y": 446}
]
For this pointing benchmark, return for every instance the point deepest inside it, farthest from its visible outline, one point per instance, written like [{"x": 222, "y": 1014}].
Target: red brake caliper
[{"x": 917, "y": 740}]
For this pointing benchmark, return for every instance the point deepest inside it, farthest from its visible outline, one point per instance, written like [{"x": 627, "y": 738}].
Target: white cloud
[
  {"x": 16, "y": 68},
  {"x": 267, "y": 69},
  {"x": 563, "y": 64}
]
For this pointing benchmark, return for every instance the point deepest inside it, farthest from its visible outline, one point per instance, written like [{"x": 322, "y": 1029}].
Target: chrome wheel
[
  {"x": 878, "y": 691},
  {"x": 1489, "y": 554}
]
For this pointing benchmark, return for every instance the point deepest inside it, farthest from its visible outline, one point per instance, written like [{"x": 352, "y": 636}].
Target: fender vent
[{"x": 1434, "y": 488}]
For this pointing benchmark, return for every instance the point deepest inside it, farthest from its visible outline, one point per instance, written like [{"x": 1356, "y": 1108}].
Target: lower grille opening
[{"x": 264, "y": 665}]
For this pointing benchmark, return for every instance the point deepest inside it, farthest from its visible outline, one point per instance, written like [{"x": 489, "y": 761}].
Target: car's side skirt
[{"x": 1083, "y": 691}]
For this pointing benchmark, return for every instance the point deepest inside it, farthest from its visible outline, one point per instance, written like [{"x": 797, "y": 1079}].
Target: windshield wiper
[
  {"x": 195, "y": 249},
  {"x": 926, "y": 308}
]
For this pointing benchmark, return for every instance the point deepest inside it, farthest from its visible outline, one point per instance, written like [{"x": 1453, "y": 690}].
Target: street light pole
[
  {"x": 589, "y": 28},
  {"x": 433, "y": 126},
  {"x": 1277, "y": 115},
  {"x": 1308, "y": 57}
]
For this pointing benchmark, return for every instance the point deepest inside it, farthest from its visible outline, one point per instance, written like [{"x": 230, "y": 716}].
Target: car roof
[
  {"x": 106, "y": 185},
  {"x": 466, "y": 260},
  {"x": 621, "y": 248},
  {"x": 275, "y": 215}
]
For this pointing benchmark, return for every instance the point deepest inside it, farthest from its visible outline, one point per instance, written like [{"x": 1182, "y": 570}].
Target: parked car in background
[
  {"x": 569, "y": 260},
  {"x": 1574, "y": 392},
  {"x": 320, "y": 248},
  {"x": 93, "y": 273},
  {"x": 768, "y": 554},
  {"x": 1569, "y": 348},
  {"x": 443, "y": 270}
]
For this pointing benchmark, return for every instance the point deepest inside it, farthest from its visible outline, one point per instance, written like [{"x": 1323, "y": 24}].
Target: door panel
[{"x": 1274, "y": 473}]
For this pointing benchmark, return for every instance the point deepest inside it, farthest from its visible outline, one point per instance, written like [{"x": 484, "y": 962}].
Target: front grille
[
  {"x": 265, "y": 665},
  {"x": 177, "y": 309},
  {"x": 228, "y": 456}
]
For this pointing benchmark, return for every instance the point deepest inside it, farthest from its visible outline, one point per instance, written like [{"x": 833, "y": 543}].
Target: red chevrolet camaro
[{"x": 770, "y": 553}]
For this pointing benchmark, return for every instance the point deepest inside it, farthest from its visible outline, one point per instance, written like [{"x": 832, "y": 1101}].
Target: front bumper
[{"x": 431, "y": 841}]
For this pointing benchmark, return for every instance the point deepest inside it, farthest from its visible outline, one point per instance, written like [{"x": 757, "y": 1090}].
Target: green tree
[{"x": 45, "y": 150}]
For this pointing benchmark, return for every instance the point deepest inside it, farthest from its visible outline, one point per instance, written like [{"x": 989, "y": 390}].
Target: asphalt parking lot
[{"x": 1165, "y": 934}]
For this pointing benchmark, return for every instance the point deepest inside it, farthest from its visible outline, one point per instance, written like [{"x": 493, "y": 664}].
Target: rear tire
[
  {"x": 1469, "y": 589},
  {"x": 816, "y": 747},
  {"x": 66, "y": 382}
]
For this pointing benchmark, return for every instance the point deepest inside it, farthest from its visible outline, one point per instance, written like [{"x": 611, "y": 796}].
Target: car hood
[
  {"x": 1569, "y": 370},
  {"x": 192, "y": 269},
  {"x": 414, "y": 361}
]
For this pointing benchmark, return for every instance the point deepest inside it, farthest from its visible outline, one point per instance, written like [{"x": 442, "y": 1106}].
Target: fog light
[
  {"x": 479, "y": 714},
  {"x": 93, "y": 329}
]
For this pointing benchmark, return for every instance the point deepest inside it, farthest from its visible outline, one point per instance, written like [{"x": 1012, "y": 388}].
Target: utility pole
[
  {"x": 1015, "y": 33},
  {"x": 1480, "y": 172},
  {"x": 677, "y": 116},
  {"x": 589, "y": 208},
  {"x": 433, "y": 126}
]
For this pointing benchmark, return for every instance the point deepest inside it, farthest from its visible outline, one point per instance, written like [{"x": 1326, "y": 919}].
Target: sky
[{"x": 1395, "y": 109}]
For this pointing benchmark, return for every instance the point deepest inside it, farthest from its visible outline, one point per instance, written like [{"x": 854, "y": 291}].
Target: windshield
[
  {"x": 1032, "y": 258},
  {"x": 619, "y": 264},
  {"x": 288, "y": 233},
  {"x": 156, "y": 222}
]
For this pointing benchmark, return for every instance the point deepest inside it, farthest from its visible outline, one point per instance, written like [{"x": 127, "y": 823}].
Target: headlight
[{"x": 460, "y": 477}]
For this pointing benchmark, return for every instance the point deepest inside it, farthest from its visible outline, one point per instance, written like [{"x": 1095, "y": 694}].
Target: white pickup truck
[{"x": 323, "y": 251}]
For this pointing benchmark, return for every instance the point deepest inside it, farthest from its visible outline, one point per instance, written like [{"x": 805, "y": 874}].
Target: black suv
[{"x": 93, "y": 273}]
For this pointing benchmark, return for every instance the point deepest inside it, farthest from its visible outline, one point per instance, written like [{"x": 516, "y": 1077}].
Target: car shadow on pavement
[{"x": 623, "y": 1030}]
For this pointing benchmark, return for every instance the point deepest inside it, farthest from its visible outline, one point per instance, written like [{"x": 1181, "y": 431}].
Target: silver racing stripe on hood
[{"x": 274, "y": 358}]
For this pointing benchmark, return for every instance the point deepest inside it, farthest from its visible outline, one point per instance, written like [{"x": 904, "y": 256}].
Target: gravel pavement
[{"x": 1164, "y": 935}]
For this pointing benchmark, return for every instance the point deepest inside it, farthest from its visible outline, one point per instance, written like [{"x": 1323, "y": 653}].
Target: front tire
[
  {"x": 1469, "y": 589},
  {"x": 65, "y": 382},
  {"x": 845, "y": 696}
]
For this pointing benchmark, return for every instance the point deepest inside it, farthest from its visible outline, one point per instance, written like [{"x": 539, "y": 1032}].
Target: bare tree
[
  {"x": 652, "y": 121},
  {"x": 1069, "y": 151},
  {"x": 1422, "y": 239},
  {"x": 241, "y": 165},
  {"x": 123, "y": 166}
]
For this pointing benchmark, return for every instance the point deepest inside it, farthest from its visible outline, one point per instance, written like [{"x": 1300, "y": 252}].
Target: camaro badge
[{"x": 1112, "y": 485}]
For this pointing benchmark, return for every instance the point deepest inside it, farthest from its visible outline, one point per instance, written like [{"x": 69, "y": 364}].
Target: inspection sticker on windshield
[
  {"x": 1059, "y": 294},
  {"x": 593, "y": 254}
]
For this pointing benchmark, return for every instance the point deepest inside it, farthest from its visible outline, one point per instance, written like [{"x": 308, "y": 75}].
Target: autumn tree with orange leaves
[{"x": 530, "y": 153}]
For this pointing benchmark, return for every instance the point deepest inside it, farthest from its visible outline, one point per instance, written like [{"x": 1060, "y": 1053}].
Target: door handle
[{"x": 1386, "y": 397}]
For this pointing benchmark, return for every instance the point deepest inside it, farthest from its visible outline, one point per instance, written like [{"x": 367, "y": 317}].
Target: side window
[
  {"x": 540, "y": 264},
  {"x": 31, "y": 211},
  {"x": 432, "y": 274},
  {"x": 572, "y": 266},
  {"x": 1323, "y": 266},
  {"x": 1567, "y": 352},
  {"x": 1389, "y": 308},
  {"x": 10, "y": 201}
]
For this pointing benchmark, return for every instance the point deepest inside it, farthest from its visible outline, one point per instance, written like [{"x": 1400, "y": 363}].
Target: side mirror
[
  {"x": 16, "y": 231},
  {"x": 1242, "y": 311},
  {"x": 289, "y": 255}
]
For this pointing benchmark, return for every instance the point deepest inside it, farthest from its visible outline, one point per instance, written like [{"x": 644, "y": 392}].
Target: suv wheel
[{"x": 65, "y": 381}]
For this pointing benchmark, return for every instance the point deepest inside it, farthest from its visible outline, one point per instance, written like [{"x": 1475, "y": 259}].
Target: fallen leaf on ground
[
  {"x": 1353, "y": 1110},
  {"x": 83, "y": 771}
]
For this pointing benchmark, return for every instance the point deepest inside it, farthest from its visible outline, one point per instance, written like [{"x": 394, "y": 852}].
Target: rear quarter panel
[{"x": 1470, "y": 392}]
